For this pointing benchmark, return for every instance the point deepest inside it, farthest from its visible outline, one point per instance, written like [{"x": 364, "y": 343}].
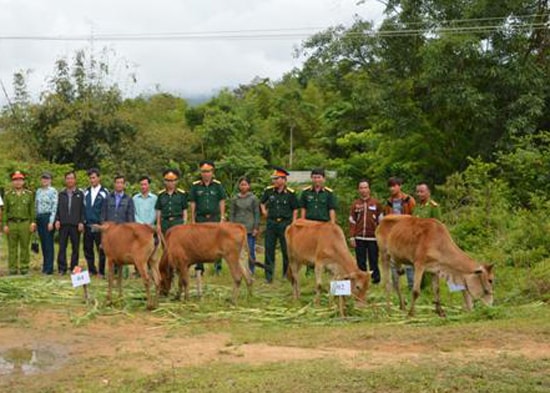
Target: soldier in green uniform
[
  {"x": 171, "y": 205},
  {"x": 207, "y": 200},
  {"x": 317, "y": 201},
  {"x": 426, "y": 207},
  {"x": 18, "y": 222},
  {"x": 280, "y": 206}
]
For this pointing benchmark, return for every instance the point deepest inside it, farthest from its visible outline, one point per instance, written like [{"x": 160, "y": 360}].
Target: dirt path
[{"x": 145, "y": 346}]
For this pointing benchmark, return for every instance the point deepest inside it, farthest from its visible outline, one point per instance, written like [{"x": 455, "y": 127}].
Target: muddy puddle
[{"x": 30, "y": 360}]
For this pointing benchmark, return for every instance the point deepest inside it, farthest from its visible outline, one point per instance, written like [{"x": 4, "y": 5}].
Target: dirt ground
[{"x": 146, "y": 346}]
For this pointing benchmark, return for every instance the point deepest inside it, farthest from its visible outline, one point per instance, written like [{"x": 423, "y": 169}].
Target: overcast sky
[{"x": 187, "y": 67}]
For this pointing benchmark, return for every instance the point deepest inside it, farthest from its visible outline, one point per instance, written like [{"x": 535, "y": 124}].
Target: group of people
[{"x": 73, "y": 212}]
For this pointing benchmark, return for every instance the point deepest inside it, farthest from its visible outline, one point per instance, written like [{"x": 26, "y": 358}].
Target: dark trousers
[
  {"x": 46, "y": 242},
  {"x": 91, "y": 239},
  {"x": 68, "y": 233},
  {"x": 275, "y": 231},
  {"x": 364, "y": 249},
  {"x": 251, "y": 252}
]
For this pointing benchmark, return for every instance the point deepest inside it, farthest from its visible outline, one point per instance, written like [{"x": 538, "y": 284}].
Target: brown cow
[
  {"x": 426, "y": 244},
  {"x": 324, "y": 244},
  {"x": 130, "y": 243},
  {"x": 188, "y": 244}
]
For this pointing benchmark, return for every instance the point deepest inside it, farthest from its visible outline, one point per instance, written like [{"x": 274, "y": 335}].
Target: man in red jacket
[{"x": 363, "y": 218}]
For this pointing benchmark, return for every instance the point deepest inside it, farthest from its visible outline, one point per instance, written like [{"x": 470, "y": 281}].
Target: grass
[{"x": 445, "y": 356}]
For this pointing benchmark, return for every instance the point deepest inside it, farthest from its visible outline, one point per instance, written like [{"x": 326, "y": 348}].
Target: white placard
[
  {"x": 340, "y": 288},
  {"x": 455, "y": 287},
  {"x": 80, "y": 279}
]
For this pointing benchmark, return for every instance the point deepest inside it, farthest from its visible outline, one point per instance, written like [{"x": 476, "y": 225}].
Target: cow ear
[{"x": 489, "y": 267}]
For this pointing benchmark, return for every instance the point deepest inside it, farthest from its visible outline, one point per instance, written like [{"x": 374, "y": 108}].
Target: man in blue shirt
[{"x": 144, "y": 202}]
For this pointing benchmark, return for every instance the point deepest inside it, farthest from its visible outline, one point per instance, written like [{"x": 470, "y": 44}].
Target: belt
[
  {"x": 173, "y": 218},
  {"x": 44, "y": 214},
  {"x": 18, "y": 219}
]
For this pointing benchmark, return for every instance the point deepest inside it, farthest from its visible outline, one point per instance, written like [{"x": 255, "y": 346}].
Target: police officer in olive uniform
[
  {"x": 279, "y": 204},
  {"x": 318, "y": 202},
  {"x": 18, "y": 221},
  {"x": 426, "y": 207},
  {"x": 207, "y": 199},
  {"x": 171, "y": 205}
]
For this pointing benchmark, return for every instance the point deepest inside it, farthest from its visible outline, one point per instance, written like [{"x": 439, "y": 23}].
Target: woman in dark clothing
[{"x": 245, "y": 209}]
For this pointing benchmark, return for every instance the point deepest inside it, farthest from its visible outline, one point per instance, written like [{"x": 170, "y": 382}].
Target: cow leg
[
  {"x": 468, "y": 301},
  {"x": 236, "y": 270},
  {"x": 153, "y": 264},
  {"x": 386, "y": 279},
  {"x": 110, "y": 279},
  {"x": 418, "y": 273},
  {"x": 437, "y": 295},
  {"x": 142, "y": 269},
  {"x": 318, "y": 283},
  {"x": 119, "y": 279},
  {"x": 395, "y": 281},
  {"x": 294, "y": 274},
  {"x": 183, "y": 282}
]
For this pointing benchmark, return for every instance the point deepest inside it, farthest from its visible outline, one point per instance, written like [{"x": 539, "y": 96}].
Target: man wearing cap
[
  {"x": 317, "y": 201},
  {"x": 171, "y": 204},
  {"x": 207, "y": 201},
  {"x": 426, "y": 207},
  {"x": 94, "y": 196},
  {"x": 46, "y": 208},
  {"x": 280, "y": 206},
  {"x": 18, "y": 221},
  {"x": 399, "y": 203}
]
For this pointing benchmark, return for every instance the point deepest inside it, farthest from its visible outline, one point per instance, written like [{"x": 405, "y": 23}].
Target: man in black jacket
[{"x": 69, "y": 221}]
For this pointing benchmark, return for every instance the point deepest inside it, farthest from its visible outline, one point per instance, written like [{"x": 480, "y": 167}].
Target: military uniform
[
  {"x": 280, "y": 208},
  {"x": 430, "y": 209},
  {"x": 207, "y": 200},
  {"x": 171, "y": 207},
  {"x": 318, "y": 204},
  {"x": 18, "y": 215}
]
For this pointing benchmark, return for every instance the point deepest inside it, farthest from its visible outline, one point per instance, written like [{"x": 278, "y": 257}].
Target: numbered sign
[
  {"x": 340, "y": 288},
  {"x": 80, "y": 279}
]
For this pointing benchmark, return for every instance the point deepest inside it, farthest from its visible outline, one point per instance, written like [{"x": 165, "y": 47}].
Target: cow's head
[
  {"x": 480, "y": 284},
  {"x": 360, "y": 283},
  {"x": 166, "y": 275}
]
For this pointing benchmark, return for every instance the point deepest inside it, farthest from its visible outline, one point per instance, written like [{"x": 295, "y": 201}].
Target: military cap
[
  {"x": 17, "y": 175},
  {"x": 279, "y": 172},
  {"x": 206, "y": 165},
  {"x": 318, "y": 171},
  {"x": 46, "y": 175},
  {"x": 171, "y": 174}
]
